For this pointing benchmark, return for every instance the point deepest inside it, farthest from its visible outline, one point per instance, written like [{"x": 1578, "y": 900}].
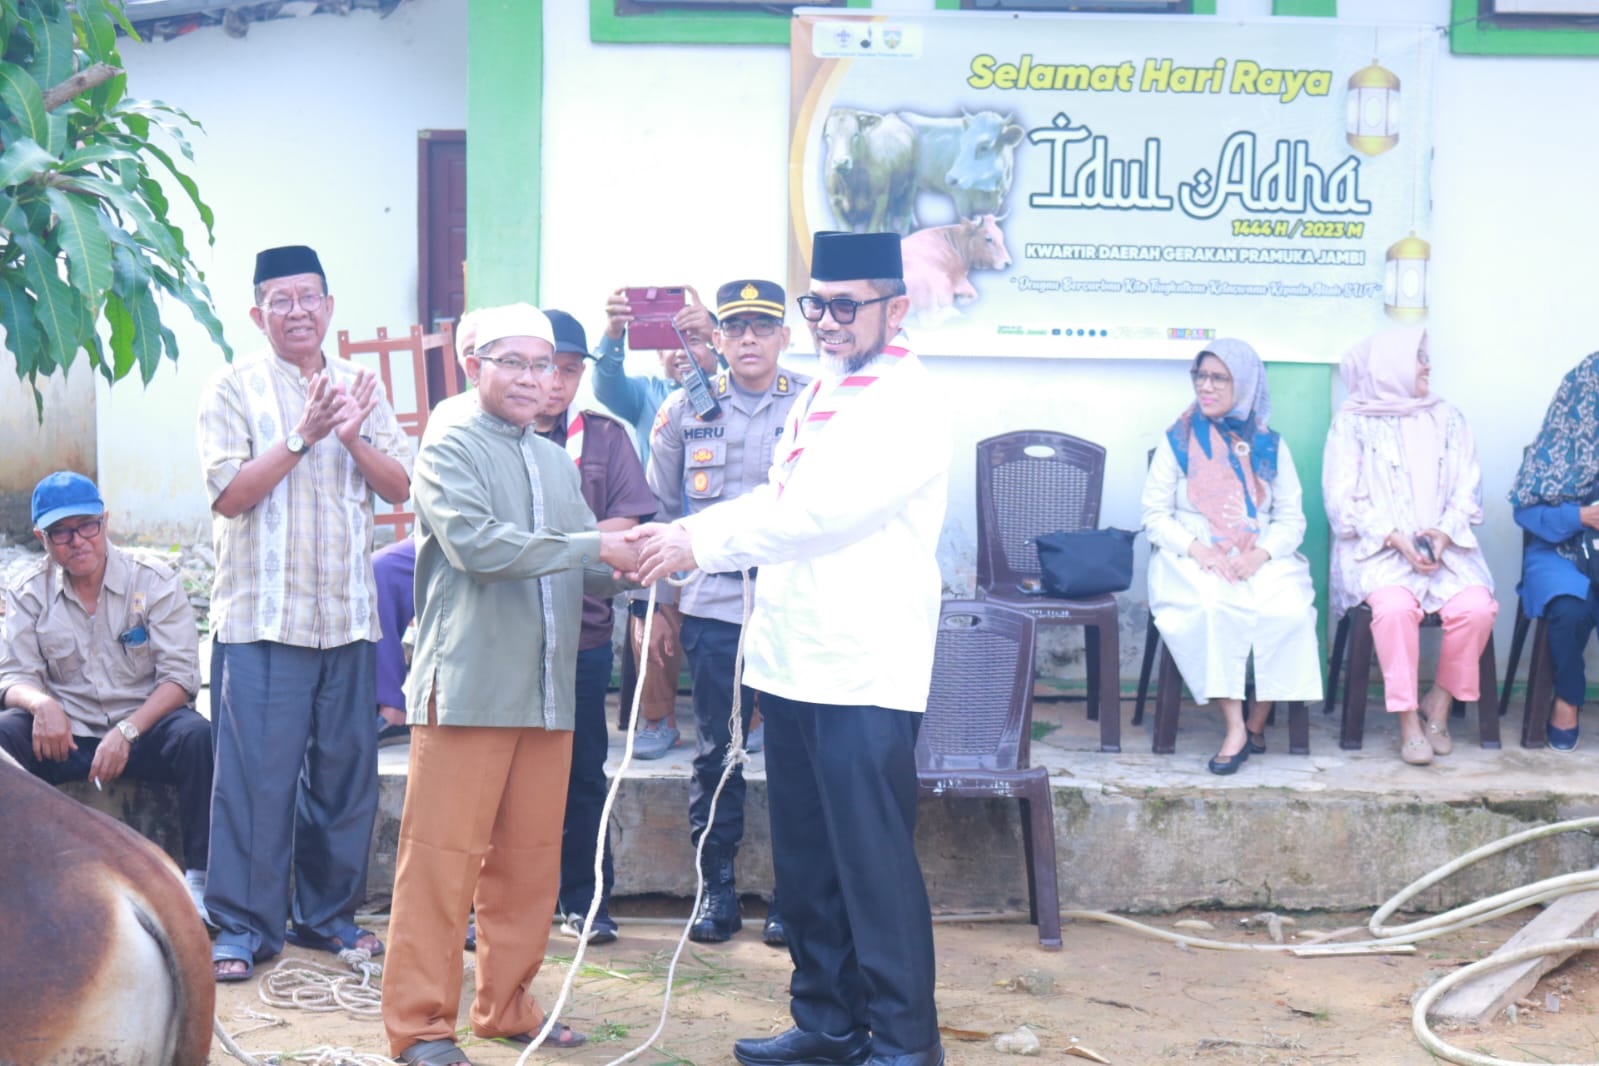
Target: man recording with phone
[{"x": 637, "y": 400}]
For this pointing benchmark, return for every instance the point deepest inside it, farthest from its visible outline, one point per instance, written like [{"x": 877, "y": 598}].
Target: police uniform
[{"x": 694, "y": 464}]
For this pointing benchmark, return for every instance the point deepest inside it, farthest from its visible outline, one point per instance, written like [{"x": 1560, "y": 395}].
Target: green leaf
[
  {"x": 60, "y": 310},
  {"x": 151, "y": 233},
  {"x": 23, "y": 159},
  {"x": 197, "y": 298},
  {"x": 120, "y": 319},
  {"x": 148, "y": 334},
  {"x": 98, "y": 32},
  {"x": 53, "y": 41},
  {"x": 200, "y": 206},
  {"x": 21, "y": 95},
  {"x": 88, "y": 251},
  {"x": 92, "y": 154},
  {"x": 23, "y": 336}
]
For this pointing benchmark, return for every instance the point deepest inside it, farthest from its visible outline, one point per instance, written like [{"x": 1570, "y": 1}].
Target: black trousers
[
  {"x": 586, "y": 785},
  {"x": 841, "y": 783},
  {"x": 175, "y": 750},
  {"x": 1571, "y": 623},
  {"x": 712, "y": 648}
]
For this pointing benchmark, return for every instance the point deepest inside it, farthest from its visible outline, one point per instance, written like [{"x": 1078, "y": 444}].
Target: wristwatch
[
  {"x": 295, "y": 443},
  {"x": 128, "y": 730}
]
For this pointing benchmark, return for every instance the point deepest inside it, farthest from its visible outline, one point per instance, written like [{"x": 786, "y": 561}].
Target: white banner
[{"x": 1122, "y": 187}]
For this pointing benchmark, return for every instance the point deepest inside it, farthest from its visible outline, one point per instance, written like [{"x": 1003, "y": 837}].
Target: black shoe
[
  {"x": 1256, "y": 747},
  {"x": 799, "y": 1048},
  {"x": 1229, "y": 764},
  {"x": 772, "y": 932},
  {"x": 718, "y": 917},
  {"x": 933, "y": 1056}
]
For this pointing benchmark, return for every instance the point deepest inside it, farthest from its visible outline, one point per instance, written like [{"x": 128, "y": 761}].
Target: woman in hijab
[
  {"x": 1222, "y": 509},
  {"x": 1557, "y": 501},
  {"x": 1403, "y": 488}
]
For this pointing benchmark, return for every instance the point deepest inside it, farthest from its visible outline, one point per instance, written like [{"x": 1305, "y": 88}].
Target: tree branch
[{"x": 81, "y": 82}]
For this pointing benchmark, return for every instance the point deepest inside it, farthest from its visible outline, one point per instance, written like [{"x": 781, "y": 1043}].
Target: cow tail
[{"x": 181, "y": 1049}]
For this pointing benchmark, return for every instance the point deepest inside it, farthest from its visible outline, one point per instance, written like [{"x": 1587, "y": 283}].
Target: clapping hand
[
  {"x": 324, "y": 404},
  {"x": 355, "y": 405}
]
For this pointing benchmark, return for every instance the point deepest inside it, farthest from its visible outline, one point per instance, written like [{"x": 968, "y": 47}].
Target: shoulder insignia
[
  {"x": 721, "y": 384},
  {"x": 662, "y": 417},
  {"x": 781, "y": 387}
]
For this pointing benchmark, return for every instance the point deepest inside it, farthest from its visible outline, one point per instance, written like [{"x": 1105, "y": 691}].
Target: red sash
[
  {"x": 574, "y": 439},
  {"x": 808, "y": 420}
]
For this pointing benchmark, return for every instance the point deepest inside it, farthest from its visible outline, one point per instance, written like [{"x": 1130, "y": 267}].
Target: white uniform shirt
[{"x": 846, "y": 610}]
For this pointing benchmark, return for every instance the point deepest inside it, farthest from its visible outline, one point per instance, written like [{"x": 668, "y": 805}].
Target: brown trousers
[
  {"x": 659, "y": 697},
  {"x": 481, "y": 828}
]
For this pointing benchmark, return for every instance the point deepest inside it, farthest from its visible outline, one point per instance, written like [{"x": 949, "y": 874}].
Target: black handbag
[{"x": 1085, "y": 563}]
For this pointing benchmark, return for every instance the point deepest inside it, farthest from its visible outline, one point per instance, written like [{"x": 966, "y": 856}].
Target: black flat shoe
[
  {"x": 1229, "y": 764},
  {"x": 1257, "y": 742}
]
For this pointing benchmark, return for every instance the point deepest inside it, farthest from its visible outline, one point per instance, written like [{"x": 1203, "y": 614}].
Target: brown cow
[
  {"x": 102, "y": 956},
  {"x": 939, "y": 259},
  {"x": 869, "y": 170}
]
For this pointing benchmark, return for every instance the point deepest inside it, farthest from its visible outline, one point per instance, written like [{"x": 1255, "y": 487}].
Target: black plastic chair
[
  {"x": 975, "y": 738},
  {"x": 1032, "y": 482},
  {"x": 1352, "y": 646},
  {"x": 1540, "y": 673}
]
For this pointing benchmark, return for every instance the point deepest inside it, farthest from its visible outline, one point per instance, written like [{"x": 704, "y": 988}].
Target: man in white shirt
[{"x": 840, "y": 647}]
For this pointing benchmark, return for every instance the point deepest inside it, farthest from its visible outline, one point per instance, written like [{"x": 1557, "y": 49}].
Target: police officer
[{"x": 695, "y": 463}]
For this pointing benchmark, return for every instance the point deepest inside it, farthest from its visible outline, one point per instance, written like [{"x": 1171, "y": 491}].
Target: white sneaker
[{"x": 195, "y": 880}]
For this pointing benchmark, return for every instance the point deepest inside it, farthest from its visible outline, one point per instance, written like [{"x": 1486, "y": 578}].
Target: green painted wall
[{"x": 505, "y": 120}]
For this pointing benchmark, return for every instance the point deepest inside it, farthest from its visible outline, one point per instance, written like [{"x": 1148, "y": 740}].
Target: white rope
[
  {"x": 312, "y": 986},
  {"x": 736, "y": 756},
  {"x": 1401, "y": 939}
]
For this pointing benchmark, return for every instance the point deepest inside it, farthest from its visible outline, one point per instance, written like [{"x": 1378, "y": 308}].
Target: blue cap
[{"x": 64, "y": 494}]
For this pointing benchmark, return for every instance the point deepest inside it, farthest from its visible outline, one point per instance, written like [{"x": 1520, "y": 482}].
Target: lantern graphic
[
  {"x": 1404, "y": 287},
  {"x": 1372, "y": 110}
]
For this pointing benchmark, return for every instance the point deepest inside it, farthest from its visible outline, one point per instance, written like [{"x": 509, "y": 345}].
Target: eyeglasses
[
  {"x": 1205, "y": 377},
  {"x": 842, "y": 308},
  {"x": 310, "y": 303},
  {"x": 762, "y": 326},
  {"x": 518, "y": 367},
  {"x": 87, "y": 530}
]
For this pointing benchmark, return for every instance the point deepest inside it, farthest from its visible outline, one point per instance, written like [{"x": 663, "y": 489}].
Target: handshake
[{"x": 647, "y": 553}]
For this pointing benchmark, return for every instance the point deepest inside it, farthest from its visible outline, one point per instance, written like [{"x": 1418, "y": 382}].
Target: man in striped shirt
[{"x": 293, "y": 444}]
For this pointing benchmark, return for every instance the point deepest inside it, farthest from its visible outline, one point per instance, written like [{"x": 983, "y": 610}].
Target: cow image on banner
[{"x": 1069, "y": 185}]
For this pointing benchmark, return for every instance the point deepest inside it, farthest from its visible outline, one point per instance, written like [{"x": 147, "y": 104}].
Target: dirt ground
[{"x": 1124, "y": 997}]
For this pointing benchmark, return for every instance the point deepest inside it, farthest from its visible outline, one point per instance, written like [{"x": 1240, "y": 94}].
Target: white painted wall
[
  {"x": 688, "y": 184},
  {"x": 310, "y": 137},
  {"x": 667, "y": 164}
]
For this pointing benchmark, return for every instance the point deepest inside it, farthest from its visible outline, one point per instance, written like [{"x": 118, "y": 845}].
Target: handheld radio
[{"x": 698, "y": 385}]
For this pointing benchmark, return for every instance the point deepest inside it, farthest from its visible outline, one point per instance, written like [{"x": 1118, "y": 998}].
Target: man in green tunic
[{"x": 506, "y": 547}]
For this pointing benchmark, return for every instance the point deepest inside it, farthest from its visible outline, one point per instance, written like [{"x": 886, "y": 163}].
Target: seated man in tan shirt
[{"x": 99, "y": 664}]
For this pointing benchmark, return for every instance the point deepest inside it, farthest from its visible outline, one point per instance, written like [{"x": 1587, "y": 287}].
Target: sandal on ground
[
  {"x": 562, "y": 1036},
  {"x": 347, "y": 936},
  {"x": 221, "y": 957},
  {"x": 1416, "y": 751},
  {"x": 434, "y": 1053}
]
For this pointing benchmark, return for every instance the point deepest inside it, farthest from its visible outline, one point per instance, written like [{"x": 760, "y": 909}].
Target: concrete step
[{"x": 1134, "y": 831}]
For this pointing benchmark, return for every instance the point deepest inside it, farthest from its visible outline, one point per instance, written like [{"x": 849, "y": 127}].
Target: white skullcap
[{"x": 489, "y": 324}]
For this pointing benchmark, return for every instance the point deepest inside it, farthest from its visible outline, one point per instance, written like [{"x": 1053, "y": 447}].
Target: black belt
[{"x": 734, "y": 573}]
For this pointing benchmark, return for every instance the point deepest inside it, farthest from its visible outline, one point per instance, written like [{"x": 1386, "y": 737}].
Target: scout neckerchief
[
  {"x": 813, "y": 419},
  {"x": 574, "y": 439}
]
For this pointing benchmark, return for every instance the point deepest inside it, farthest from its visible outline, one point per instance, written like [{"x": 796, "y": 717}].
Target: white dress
[{"x": 1211, "y": 626}]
